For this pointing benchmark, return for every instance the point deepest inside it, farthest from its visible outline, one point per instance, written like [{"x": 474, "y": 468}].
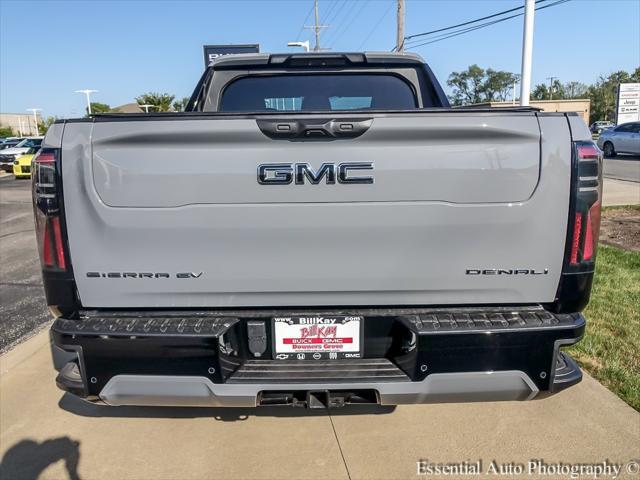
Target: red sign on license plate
[{"x": 317, "y": 337}]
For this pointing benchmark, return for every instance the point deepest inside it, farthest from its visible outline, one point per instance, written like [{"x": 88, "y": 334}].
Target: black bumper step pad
[
  {"x": 487, "y": 321},
  {"x": 309, "y": 371},
  {"x": 130, "y": 326}
]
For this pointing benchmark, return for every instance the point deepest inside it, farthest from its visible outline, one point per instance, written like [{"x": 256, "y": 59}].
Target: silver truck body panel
[
  {"x": 453, "y": 191},
  {"x": 159, "y": 390},
  {"x": 433, "y": 158}
]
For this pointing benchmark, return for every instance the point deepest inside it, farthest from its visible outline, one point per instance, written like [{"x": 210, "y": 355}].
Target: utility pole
[
  {"x": 527, "y": 52},
  {"x": 316, "y": 27},
  {"x": 146, "y": 107},
  {"x": 88, "y": 93},
  {"x": 35, "y": 117},
  {"x": 400, "y": 28},
  {"x": 551, "y": 79}
]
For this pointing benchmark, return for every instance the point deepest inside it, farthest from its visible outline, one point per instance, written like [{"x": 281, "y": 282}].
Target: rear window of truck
[{"x": 325, "y": 92}]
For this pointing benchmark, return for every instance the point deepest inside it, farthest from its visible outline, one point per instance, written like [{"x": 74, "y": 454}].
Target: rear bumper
[{"x": 411, "y": 356}]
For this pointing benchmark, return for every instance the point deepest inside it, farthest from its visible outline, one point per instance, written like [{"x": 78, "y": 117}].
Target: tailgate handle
[{"x": 314, "y": 129}]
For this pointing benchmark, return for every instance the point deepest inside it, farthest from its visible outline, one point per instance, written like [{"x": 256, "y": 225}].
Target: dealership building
[
  {"x": 22, "y": 124},
  {"x": 581, "y": 106}
]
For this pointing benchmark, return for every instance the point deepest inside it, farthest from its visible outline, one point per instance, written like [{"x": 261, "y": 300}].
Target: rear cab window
[{"x": 318, "y": 92}]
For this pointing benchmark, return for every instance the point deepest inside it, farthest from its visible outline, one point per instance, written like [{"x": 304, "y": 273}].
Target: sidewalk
[
  {"x": 43, "y": 431},
  {"x": 620, "y": 192}
]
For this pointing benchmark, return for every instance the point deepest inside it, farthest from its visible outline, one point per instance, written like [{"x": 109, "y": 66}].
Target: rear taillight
[
  {"x": 584, "y": 219},
  {"x": 46, "y": 198}
]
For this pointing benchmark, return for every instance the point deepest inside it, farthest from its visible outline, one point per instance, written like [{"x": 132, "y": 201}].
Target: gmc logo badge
[{"x": 286, "y": 173}]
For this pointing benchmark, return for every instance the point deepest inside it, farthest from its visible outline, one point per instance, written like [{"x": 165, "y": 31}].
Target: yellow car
[{"x": 22, "y": 164}]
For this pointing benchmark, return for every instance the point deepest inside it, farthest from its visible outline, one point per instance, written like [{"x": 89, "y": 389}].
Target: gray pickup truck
[{"x": 317, "y": 230}]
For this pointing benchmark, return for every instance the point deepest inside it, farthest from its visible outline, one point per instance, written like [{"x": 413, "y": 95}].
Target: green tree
[
  {"x": 575, "y": 90},
  {"x": 467, "y": 85},
  {"x": 160, "y": 101},
  {"x": 477, "y": 85},
  {"x": 6, "y": 132},
  {"x": 556, "y": 91},
  {"x": 540, "y": 92},
  {"x": 97, "y": 107},
  {"x": 181, "y": 105},
  {"x": 44, "y": 125},
  {"x": 603, "y": 94},
  {"x": 498, "y": 85}
]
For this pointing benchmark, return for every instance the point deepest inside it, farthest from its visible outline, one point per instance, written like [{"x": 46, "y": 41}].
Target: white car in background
[
  {"x": 8, "y": 155},
  {"x": 624, "y": 138}
]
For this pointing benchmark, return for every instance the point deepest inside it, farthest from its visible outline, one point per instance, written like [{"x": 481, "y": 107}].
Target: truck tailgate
[{"x": 454, "y": 194}]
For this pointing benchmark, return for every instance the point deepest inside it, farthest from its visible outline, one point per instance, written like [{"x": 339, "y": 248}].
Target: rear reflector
[
  {"x": 47, "y": 257},
  {"x": 575, "y": 243},
  {"x": 57, "y": 240},
  {"x": 592, "y": 233}
]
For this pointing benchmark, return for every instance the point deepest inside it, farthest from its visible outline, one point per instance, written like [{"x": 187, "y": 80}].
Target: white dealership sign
[{"x": 628, "y": 103}]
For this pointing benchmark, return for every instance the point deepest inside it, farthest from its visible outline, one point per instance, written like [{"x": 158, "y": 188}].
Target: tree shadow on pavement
[
  {"x": 27, "y": 459},
  {"x": 80, "y": 407}
]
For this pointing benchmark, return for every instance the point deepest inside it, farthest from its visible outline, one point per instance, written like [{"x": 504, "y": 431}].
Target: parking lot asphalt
[
  {"x": 22, "y": 305},
  {"x": 623, "y": 167},
  {"x": 47, "y": 434}
]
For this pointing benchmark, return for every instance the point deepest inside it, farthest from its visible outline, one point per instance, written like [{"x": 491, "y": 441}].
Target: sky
[{"x": 49, "y": 49}]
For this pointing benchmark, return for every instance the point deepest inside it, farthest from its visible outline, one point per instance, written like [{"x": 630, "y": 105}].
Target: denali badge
[
  {"x": 286, "y": 173},
  {"x": 506, "y": 271}
]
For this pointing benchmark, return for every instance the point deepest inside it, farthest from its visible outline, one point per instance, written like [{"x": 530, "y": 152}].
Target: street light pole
[
  {"x": 527, "y": 52},
  {"x": 304, "y": 45},
  {"x": 35, "y": 117},
  {"x": 88, "y": 93}
]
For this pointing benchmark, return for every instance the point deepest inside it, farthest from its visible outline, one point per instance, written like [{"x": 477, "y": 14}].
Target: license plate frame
[{"x": 351, "y": 327}]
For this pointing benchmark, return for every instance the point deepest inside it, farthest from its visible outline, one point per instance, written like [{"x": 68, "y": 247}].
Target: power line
[
  {"x": 304, "y": 22},
  {"x": 348, "y": 24},
  {"x": 408, "y": 38},
  {"x": 377, "y": 24},
  {"x": 338, "y": 10},
  {"x": 331, "y": 8},
  {"x": 444, "y": 36},
  {"x": 477, "y": 27},
  {"x": 347, "y": 14}
]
